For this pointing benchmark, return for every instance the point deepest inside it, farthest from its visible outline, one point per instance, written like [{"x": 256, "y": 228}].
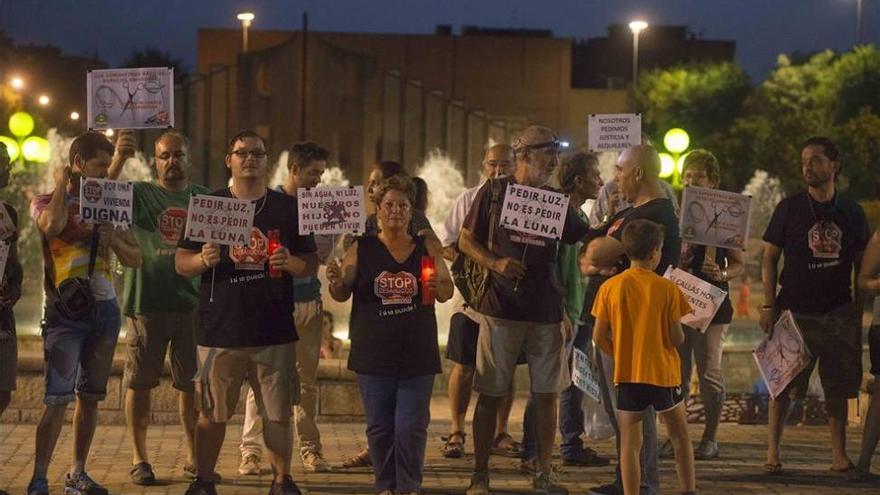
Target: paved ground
[{"x": 738, "y": 471}]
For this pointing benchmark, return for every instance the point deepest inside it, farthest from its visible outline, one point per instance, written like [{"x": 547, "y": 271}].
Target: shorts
[
  {"x": 79, "y": 353},
  {"x": 500, "y": 343},
  {"x": 461, "y": 347},
  {"x": 270, "y": 371},
  {"x": 8, "y": 362},
  {"x": 835, "y": 341},
  {"x": 874, "y": 348},
  {"x": 636, "y": 397},
  {"x": 148, "y": 337}
]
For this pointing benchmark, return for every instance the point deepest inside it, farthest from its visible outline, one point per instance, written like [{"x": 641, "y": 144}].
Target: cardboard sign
[
  {"x": 130, "y": 98},
  {"x": 782, "y": 355},
  {"x": 331, "y": 210},
  {"x": 715, "y": 218},
  {"x": 614, "y": 131},
  {"x": 584, "y": 376},
  {"x": 704, "y": 298},
  {"x": 534, "y": 211},
  {"x": 105, "y": 201},
  {"x": 219, "y": 220}
]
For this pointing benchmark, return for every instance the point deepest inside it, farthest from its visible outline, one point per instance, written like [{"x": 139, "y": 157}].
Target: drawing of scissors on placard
[
  {"x": 131, "y": 94},
  {"x": 733, "y": 210}
]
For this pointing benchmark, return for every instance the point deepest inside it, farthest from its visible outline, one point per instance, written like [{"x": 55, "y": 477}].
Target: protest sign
[
  {"x": 534, "y": 211},
  {"x": 331, "y": 210},
  {"x": 104, "y": 200},
  {"x": 715, "y": 218},
  {"x": 782, "y": 355},
  {"x": 585, "y": 376},
  {"x": 130, "y": 98},
  {"x": 704, "y": 298},
  {"x": 614, "y": 131},
  {"x": 219, "y": 220}
]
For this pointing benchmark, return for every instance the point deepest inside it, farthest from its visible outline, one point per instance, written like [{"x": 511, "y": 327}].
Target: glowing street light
[
  {"x": 676, "y": 140},
  {"x": 246, "y": 18},
  {"x": 108, "y": 133},
  {"x": 17, "y": 83},
  {"x": 667, "y": 165},
  {"x": 43, "y": 100},
  {"x": 74, "y": 115},
  {"x": 12, "y": 147},
  {"x": 636, "y": 27},
  {"x": 21, "y": 124}
]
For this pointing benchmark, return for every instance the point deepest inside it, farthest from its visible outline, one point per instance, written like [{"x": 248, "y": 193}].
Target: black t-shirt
[
  {"x": 692, "y": 256},
  {"x": 13, "y": 274},
  {"x": 392, "y": 333},
  {"x": 819, "y": 242},
  {"x": 538, "y": 295},
  {"x": 250, "y": 308},
  {"x": 660, "y": 211}
]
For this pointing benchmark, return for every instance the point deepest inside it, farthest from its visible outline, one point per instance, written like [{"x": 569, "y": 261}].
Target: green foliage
[{"x": 859, "y": 142}]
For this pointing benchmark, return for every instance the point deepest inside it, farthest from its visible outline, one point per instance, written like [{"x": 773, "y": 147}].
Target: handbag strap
[{"x": 495, "y": 186}]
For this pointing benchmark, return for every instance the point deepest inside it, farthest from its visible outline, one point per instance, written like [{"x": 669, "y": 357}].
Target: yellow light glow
[
  {"x": 21, "y": 124},
  {"x": 36, "y": 149},
  {"x": 667, "y": 165},
  {"x": 108, "y": 133},
  {"x": 74, "y": 115},
  {"x": 11, "y": 147},
  {"x": 638, "y": 26},
  {"x": 43, "y": 100},
  {"x": 246, "y": 16},
  {"x": 16, "y": 83},
  {"x": 676, "y": 140}
]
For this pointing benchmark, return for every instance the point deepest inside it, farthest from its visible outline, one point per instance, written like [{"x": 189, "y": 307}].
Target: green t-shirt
[
  {"x": 571, "y": 279},
  {"x": 159, "y": 220}
]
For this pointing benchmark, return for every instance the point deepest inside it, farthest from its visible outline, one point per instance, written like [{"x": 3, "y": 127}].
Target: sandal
[
  {"x": 847, "y": 469},
  {"x": 362, "y": 459},
  {"x": 513, "y": 448},
  {"x": 454, "y": 446},
  {"x": 773, "y": 468}
]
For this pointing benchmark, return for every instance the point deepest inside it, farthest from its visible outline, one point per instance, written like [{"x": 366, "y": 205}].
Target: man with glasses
[
  {"x": 521, "y": 309},
  {"x": 247, "y": 331},
  {"x": 159, "y": 303}
]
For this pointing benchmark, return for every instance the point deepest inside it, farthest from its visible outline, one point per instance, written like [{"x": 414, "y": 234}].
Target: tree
[
  {"x": 153, "y": 56},
  {"x": 859, "y": 142}
]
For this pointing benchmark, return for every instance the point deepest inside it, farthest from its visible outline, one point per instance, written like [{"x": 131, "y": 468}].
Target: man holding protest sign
[
  {"x": 822, "y": 237},
  {"x": 461, "y": 347},
  {"x": 637, "y": 176},
  {"x": 522, "y": 305},
  {"x": 306, "y": 164},
  {"x": 81, "y": 317},
  {"x": 246, "y": 329},
  {"x": 159, "y": 303}
]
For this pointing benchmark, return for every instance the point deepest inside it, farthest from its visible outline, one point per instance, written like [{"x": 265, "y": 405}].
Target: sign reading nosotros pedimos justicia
[
  {"x": 614, "y": 131},
  {"x": 331, "y": 210},
  {"x": 219, "y": 220},
  {"x": 534, "y": 211},
  {"x": 105, "y": 201}
]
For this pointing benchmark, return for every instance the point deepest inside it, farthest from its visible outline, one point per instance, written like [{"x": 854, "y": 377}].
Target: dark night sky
[{"x": 761, "y": 28}]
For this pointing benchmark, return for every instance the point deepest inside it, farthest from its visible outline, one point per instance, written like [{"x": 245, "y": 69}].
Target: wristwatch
[{"x": 724, "y": 275}]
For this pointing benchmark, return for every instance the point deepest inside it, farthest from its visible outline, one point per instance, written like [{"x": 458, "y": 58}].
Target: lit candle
[{"x": 427, "y": 272}]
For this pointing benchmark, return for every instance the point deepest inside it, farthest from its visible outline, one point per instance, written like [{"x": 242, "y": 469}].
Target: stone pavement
[{"x": 738, "y": 471}]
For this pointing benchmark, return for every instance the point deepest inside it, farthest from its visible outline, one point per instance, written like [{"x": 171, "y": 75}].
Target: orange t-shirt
[{"x": 641, "y": 306}]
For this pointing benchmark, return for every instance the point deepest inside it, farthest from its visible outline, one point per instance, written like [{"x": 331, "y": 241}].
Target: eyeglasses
[{"x": 243, "y": 154}]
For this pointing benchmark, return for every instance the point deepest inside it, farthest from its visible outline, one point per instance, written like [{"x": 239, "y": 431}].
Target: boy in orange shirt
[{"x": 637, "y": 321}]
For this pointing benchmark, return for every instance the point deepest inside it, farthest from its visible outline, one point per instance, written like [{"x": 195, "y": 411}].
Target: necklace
[
  {"x": 810, "y": 201},
  {"x": 262, "y": 204}
]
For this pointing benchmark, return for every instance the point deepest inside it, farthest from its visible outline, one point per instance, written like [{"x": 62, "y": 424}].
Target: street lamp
[
  {"x": 17, "y": 83},
  {"x": 636, "y": 27},
  {"x": 245, "y": 18},
  {"x": 74, "y": 115},
  {"x": 43, "y": 100},
  {"x": 858, "y": 22}
]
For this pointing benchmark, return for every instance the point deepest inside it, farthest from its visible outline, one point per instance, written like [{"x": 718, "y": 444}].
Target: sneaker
[
  {"x": 546, "y": 483},
  {"x": 81, "y": 484},
  {"x": 38, "y": 486},
  {"x": 708, "y": 449},
  {"x": 250, "y": 465},
  {"x": 609, "y": 489},
  {"x": 142, "y": 474},
  {"x": 585, "y": 457},
  {"x": 201, "y": 487},
  {"x": 313, "y": 461},
  {"x": 190, "y": 470},
  {"x": 666, "y": 450},
  {"x": 479, "y": 484},
  {"x": 286, "y": 487}
]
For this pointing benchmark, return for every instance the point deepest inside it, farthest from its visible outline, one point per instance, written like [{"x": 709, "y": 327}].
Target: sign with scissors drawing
[
  {"x": 130, "y": 98},
  {"x": 715, "y": 218},
  {"x": 782, "y": 355}
]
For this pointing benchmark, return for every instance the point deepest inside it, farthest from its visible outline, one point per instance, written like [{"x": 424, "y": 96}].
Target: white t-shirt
[{"x": 449, "y": 230}]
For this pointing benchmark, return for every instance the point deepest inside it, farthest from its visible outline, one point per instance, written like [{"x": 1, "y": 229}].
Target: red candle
[
  {"x": 427, "y": 272},
  {"x": 273, "y": 245}
]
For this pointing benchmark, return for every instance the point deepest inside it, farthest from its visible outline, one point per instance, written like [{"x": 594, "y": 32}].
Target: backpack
[{"x": 469, "y": 277}]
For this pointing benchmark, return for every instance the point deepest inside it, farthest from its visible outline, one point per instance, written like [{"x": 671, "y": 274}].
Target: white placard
[
  {"x": 614, "y": 131},
  {"x": 331, "y": 210},
  {"x": 715, "y": 218},
  {"x": 704, "y": 298},
  {"x": 585, "y": 376},
  {"x": 130, "y": 98},
  {"x": 104, "y": 200},
  {"x": 219, "y": 220},
  {"x": 782, "y": 355},
  {"x": 534, "y": 211}
]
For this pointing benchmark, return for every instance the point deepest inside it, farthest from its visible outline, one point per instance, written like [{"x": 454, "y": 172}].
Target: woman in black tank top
[{"x": 394, "y": 348}]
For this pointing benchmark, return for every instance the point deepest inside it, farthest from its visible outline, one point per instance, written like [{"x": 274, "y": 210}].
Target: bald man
[
  {"x": 637, "y": 175},
  {"x": 461, "y": 347}
]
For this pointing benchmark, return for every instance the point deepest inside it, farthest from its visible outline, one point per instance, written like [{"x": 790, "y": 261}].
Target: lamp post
[
  {"x": 246, "y": 18},
  {"x": 676, "y": 141},
  {"x": 636, "y": 27},
  {"x": 858, "y": 22},
  {"x": 17, "y": 83}
]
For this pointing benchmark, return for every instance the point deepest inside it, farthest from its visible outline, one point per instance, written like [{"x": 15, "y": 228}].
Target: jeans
[
  {"x": 397, "y": 412},
  {"x": 705, "y": 348}
]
